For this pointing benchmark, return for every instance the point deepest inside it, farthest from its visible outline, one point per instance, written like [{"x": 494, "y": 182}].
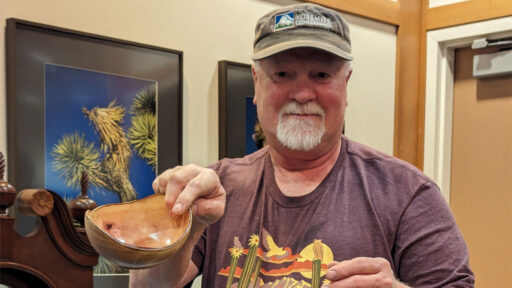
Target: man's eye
[
  {"x": 281, "y": 74},
  {"x": 323, "y": 75}
]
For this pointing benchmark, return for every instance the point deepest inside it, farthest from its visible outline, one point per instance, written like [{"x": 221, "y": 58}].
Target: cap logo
[
  {"x": 306, "y": 19},
  {"x": 284, "y": 21}
]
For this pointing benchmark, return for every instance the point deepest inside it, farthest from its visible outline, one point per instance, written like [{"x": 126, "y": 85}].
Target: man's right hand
[
  {"x": 185, "y": 187},
  {"x": 192, "y": 186}
]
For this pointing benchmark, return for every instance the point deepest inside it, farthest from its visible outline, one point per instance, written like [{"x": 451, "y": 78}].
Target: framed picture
[
  {"x": 78, "y": 101},
  {"x": 239, "y": 132}
]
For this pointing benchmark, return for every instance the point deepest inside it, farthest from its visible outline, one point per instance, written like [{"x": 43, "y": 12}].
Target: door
[{"x": 481, "y": 180}]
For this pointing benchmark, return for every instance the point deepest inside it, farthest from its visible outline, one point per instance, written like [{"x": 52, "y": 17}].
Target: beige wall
[
  {"x": 436, "y": 3},
  {"x": 209, "y": 31}
]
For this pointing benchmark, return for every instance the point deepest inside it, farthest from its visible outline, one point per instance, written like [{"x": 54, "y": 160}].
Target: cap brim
[
  {"x": 302, "y": 37},
  {"x": 280, "y": 47}
]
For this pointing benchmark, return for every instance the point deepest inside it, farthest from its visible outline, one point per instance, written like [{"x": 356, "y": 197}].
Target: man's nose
[{"x": 303, "y": 91}]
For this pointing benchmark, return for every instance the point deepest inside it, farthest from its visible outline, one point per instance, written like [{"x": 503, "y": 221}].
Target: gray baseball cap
[{"x": 302, "y": 25}]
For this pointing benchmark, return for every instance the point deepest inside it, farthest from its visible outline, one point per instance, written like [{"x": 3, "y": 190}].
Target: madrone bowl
[{"x": 137, "y": 234}]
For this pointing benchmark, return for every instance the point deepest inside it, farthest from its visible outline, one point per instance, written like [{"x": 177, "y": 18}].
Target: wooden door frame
[
  {"x": 441, "y": 44},
  {"x": 472, "y": 18},
  {"x": 413, "y": 19}
]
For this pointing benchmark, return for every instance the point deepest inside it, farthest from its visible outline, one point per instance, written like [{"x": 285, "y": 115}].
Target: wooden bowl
[{"x": 137, "y": 234}]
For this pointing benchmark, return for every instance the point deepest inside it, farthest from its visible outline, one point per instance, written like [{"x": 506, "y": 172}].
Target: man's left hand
[{"x": 362, "y": 272}]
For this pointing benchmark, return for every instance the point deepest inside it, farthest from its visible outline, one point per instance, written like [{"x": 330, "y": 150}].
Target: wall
[
  {"x": 436, "y": 3},
  {"x": 371, "y": 89},
  {"x": 205, "y": 32}
]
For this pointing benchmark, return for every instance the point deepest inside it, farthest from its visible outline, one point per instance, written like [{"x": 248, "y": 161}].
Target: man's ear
[
  {"x": 255, "y": 80},
  {"x": 349, "y": 74},
  {"x": 254, "y": 76}
]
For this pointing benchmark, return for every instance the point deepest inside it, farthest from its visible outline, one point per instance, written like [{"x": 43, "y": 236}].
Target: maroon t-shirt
[{"x": 370, "y": 204}]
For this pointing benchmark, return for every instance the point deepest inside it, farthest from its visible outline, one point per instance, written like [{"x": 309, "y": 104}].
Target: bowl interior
[{"x": 143, "y": 223}]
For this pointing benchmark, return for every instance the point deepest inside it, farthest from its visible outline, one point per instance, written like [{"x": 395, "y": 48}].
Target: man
[{"x": 312, "y": 208}]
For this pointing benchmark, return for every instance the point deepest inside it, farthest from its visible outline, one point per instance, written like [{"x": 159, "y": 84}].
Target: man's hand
[
  {"x": 192, "y": 186},
  {"x": 362, "y": 272}
]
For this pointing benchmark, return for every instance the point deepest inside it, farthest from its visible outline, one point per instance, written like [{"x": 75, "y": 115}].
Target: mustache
[{"x": 296, "y": 108}]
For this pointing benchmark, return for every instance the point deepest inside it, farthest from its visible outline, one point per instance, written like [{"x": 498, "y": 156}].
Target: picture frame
[
  {"x": 30, "y": 45},
  {"x": 33, "y": 48},
  {"x": 237, "y": 114}
]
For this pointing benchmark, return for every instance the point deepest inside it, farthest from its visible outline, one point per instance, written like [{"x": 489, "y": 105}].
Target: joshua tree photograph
[{"x": 104, "y": 124}]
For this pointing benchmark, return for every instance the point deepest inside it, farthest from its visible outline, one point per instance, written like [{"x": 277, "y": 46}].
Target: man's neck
[{"x": 300, "y": 176}]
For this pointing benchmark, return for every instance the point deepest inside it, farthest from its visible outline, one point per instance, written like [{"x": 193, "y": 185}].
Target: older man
[{"x": 313, "y": 207}]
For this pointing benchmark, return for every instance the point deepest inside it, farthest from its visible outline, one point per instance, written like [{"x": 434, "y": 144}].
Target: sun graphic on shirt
[{"x": 308, "y": 254}]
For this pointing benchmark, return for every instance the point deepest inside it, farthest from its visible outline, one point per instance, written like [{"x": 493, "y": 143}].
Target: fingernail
[
  {"x": 331, "y": 274},
  {"x": 325, "y": 286},
  {"x": 177, "y": 207}
]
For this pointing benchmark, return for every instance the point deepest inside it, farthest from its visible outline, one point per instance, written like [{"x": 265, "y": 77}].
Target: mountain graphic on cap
[{"x": 285, "y": 21}]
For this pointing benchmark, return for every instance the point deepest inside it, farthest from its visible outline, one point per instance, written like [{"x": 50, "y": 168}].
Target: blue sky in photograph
[{"x": 69, "y": 89}]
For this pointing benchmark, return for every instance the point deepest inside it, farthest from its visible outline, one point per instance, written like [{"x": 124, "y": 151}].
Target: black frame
[
  {"x": 235, "y": 84},
  {"x": 30, "y": 45}
]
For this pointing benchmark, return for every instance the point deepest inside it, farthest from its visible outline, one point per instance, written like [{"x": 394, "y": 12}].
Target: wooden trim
[
  {"x": 465, "y": 12},
  {"x": 407, "y": 104},
  {"x": 386, "y": 11},
  {"x": 422, "y": 76}
]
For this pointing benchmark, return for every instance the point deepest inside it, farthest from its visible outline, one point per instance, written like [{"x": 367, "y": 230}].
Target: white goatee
[{"x": 301, "y": 134}]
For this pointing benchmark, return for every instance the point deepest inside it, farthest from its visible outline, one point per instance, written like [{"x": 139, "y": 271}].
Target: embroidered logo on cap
[
  {"x": 284, "y": 21},
  {"x": 320, "y": 21}
]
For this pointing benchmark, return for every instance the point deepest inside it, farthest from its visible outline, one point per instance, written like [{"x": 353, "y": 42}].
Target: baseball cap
[{"x": 302, "y": 25}]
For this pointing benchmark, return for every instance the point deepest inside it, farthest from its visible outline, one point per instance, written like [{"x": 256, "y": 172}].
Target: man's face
[{"x": 301, "y": 98}]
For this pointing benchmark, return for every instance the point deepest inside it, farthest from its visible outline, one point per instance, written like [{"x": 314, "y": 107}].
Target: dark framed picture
[
  {"x": 78, "y": 101},
  {"x": 239, "y": 132}
]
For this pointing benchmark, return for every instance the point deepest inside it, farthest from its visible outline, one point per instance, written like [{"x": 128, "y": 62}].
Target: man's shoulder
[
  {"x": 254, "y": 160},
  {"x": 362, "y": 155}
]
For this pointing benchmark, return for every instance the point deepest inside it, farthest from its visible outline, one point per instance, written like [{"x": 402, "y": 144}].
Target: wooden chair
[{"x": 57, "y": 254}]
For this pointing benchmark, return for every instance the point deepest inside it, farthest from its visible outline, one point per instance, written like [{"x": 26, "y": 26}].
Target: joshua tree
[
  {"x": 115, "y": 166},
  {"x": 72, "y": 154},
  {"x": 142, "y": 133}
]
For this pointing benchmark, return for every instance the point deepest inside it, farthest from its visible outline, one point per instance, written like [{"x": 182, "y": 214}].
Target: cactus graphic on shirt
[
  {"x": 250, "y": 262},
  {"x": 317, "y": 263},
  {"x": 287, "y": 269},
  {"x": 236, "y": 252},
  {"x": 257, "y": 272}
]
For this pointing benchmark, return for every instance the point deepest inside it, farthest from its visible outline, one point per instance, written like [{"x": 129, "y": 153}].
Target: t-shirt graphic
[{"x": 245, "y": 268}]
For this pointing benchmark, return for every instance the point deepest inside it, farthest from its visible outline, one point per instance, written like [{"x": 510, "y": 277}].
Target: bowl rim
[{"x": 174, "y": 243}]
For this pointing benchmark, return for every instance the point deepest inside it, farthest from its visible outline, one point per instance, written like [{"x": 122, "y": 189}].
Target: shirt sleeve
[
  {"x": 199, "y": 252},
  {"x": 429, "y": 249}
]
